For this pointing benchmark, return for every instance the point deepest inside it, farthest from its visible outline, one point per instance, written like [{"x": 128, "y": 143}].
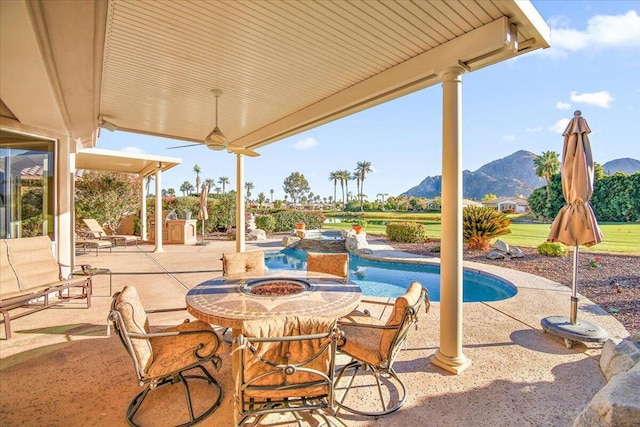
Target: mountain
[
  {"x": 510, "y": 176},
  {"x": 625, "y": 165}
]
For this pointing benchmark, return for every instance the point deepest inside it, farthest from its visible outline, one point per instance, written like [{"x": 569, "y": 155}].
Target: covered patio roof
[
  {"x": 283, "y": 66},
  {"x": 120, "y": 161}
]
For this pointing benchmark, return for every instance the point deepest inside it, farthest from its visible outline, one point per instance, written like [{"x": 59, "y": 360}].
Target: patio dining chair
[
  {"x": 373, "y": 345},
  {"x": 173, "y": 355},
  {"x": 330, "y": 263},
  {"x": 243, "y": 262},
  {"x": 285, "y": 365},
  {"x": 99, "y": 233}
]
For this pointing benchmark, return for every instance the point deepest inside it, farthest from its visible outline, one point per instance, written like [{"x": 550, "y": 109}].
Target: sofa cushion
[{"x": 32, "y": 261}]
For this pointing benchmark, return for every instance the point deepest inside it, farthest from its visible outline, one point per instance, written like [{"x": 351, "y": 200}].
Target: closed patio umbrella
[
  {"x": 575, "y": 225},
  {"x": 203, "y": 214}
]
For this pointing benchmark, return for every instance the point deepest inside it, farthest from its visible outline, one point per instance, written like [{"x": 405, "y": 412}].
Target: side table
[{"x": 87, "y": 270}]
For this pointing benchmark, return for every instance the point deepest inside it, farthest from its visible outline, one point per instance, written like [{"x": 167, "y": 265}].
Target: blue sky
[{"x": 521, "y": 104}]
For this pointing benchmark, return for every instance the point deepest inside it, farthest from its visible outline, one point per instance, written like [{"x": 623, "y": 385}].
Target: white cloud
[
  {"x": 601, "y": 99},
  {"x": 305, "y": 144},
  {"x": 133, "y": 150},
  {"x": 603, "y": 31},
  {"x": 534, "y": 130},
  {"x": 563, "y": 105},
  {"x": 559, "y": 126},
  {"x": 509, "y": 138}
]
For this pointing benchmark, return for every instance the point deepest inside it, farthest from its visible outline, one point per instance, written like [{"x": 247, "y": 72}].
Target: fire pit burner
[{"x": 275, "y": 287}]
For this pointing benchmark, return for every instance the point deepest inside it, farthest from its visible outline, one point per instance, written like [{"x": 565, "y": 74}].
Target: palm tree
[
  {"x": 196, "y": 169},
  {"x": 248, "y": 186},
  {"x": 271, "y": 191},
  {"x": 148, "y": 182},
  {"x": 210, "y": 183},
  {"x": 547, "y": 165},
  {"x": 223, "y": 181},
  {"x": 362, "y": 169},
  {"x": 186, "y": 188},
  {"x": 335, "y": 177},
  {"x": 345, "y": 176}
]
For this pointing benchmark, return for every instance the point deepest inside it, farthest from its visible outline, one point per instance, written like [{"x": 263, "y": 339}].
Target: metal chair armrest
[
  {"x": 165, "y": 310},
  {"x": 364, "y": 325}
]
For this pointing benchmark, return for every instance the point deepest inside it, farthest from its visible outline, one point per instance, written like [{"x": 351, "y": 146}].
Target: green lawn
[{"x": 621, "y": 238}]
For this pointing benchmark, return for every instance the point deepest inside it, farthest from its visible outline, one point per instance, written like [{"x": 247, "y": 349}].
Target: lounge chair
[
  {"x": 98, "y": 232},
  {"x": 86, "y": 241}
]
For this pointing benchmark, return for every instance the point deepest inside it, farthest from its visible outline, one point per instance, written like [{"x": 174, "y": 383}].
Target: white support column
[
  {"x": 143, "y": 210},
  {"x": 240, "y": 221},
  {"x": 64, "y": 208},
  {"x": 449, "y": 356},
  {"x": 159, "y": 223}
]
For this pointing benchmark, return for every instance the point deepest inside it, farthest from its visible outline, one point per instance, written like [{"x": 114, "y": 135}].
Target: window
[{"x": 26, "y": 186}]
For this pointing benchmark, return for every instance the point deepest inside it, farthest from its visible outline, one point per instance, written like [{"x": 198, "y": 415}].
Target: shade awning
[{"x": 122, "y": 161}]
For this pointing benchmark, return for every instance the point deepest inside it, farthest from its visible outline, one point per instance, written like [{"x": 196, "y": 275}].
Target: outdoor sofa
[{"x": 29, "y": 274}]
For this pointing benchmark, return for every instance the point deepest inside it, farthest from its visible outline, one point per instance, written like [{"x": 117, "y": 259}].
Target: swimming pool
[{"x": 390, "y": 279}]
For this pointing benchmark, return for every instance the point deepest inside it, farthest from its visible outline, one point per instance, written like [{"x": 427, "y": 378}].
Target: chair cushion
[
  {"x": 243, "y": 262},
  {"x": 282, "y": 352},
  {"x": 171, "y": 354},
  {"x": 135, "y": 321},
  {"x": 361, "y": 342},
  {"x": 335, "y": 263},
  {"x": 410, "y": 298}
]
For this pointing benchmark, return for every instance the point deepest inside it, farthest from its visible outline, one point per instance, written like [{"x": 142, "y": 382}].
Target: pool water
[{"x": 391, "y": 279}]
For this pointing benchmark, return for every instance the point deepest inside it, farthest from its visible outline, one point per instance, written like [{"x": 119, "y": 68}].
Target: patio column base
[{"x": 455, "y": 365}]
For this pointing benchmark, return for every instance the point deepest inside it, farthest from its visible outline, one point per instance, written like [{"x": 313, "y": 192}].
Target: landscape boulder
[
  {"x": 257, "y": 234},
  {"x": 619, "y": 355},
  {"x": 501, "y": 250},
  {"x": 357, "y": 243},
  {"x": 617, "y": 403},
  {"x": 290, "y": 240}
]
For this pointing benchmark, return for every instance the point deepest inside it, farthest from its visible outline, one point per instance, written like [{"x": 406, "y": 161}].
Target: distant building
[{"x": 513, "y": 204}]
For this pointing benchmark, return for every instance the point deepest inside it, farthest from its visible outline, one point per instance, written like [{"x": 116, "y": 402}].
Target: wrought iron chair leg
[
  {"x": 356, "y": 365},
  {"x": 187, "y": 394},
  {"x": 135, "y": 405},
  {"x": 376, "y": 374}
]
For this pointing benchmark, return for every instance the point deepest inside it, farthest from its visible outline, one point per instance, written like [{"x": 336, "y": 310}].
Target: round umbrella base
[{"x": 580, "y": 332}]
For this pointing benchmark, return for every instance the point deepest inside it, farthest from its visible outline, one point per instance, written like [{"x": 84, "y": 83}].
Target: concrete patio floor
[{"x": 61, "y": 368}]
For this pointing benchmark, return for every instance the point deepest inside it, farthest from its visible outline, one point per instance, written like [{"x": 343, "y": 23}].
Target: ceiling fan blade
[
  {"x": 244, "y": 151},
  {"x": 183, "y": 146}
]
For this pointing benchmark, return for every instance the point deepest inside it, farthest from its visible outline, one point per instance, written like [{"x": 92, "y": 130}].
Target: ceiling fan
[{"x": 216, "y": 139}]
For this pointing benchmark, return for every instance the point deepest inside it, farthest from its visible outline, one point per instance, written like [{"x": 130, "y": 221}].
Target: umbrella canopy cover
[
  {"x": 576, "y": 223},
  {"x": 203, "y": 214}
]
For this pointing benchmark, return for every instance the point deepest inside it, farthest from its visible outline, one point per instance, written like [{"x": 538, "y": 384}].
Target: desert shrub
[
  {"x": 481, "y": 224},
  {"x": 552, "y": 249},
  {"x": 266, "y": 223},
  {"x": 407, "y": 232},
  {"x": 107, "y": 197},
  {"x": 187, "y": 204},
  {"x": 287, "y": 220}
]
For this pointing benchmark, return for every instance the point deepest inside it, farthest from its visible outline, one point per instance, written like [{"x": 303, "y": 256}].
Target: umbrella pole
[{"x": 574, "y": 288}]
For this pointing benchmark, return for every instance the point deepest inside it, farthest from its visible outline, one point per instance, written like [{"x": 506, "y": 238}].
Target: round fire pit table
[{"x": 231, "y": 300}]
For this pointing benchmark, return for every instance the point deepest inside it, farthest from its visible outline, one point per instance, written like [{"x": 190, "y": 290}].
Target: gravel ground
[{"x": 611, "y": 281}]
